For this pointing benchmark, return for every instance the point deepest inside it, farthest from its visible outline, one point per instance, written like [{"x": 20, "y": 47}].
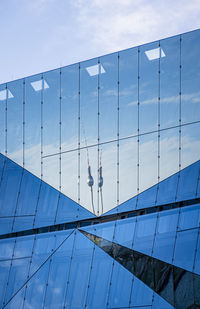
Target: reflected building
[{"x": 100, "y": 182}]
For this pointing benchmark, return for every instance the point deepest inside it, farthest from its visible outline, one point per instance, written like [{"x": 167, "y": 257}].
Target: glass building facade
[{"x": 100, "y": 182}]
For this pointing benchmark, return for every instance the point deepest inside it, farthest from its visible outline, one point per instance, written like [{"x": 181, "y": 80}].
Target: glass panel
[
  {"x": 144, "y": 236},
  {"x": 29, "y": 191},
  {"x": 99, "y": 280},
  {"x": 23, "y": 223},
  {"x": 4, "y": 273},
  {"x": 23, "y": 247},
  {"x": 9, "y": 188},
  {"x": 120, "y": 289},
  {"x": 47, "y": 205},
  {"x": 79, "y": 272},
  {"x": 167, "y": 190},
  {"x": 127, "y": 169},
  {"x": 89, "y": 158},
  {"x": 89, "y": 74},
  {"x": 51, "y": 112},
  {"x": 187, "y": 186},
  {"x": 36, "y": 288},
  {"x": 148, "y": 171},
  {"x": 169, "y": 153},
  {"x": 104, "y": 230},
  {"x": 190, "y": 144},
  {"x": 128, "y": 92},
  {"x": 124, "y": 232},
  {"x": 170, "y": 82},
  {"x": 43, "y": 247},
  {"x": 6, "y": 225},
  {"x": 148, "y": 86},
  {"x": 108, "y": 97},
  {"x": 185, "y": 249},
  {"x": 159, "y": 302},
  {"x": 17, "y": 276},
  {"x": 51, "y": 171},
  {"x": 3, "y": 95},
  {"x": 69, "y": 107},
  {"x": 58, "y": 275},
  {"x": 69, "y": 175},
  {"x": 165, "y": 235},
  {"x": 67, "y": 210},
  {"x": 15, "y": 121},
  {"x": 141, "y": 294},
  {"x": 17, "y": 301},
  {"x": 197, "y": 258},
  {"x": 189, "y": 217},
  {"x": 6, "y": 248},
  {"x": 190, "y": 107},
  {"x": 34, "y": 92}
]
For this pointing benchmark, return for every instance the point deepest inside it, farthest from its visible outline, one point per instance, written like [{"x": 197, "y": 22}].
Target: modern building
[{"x": 100, "y": 182}]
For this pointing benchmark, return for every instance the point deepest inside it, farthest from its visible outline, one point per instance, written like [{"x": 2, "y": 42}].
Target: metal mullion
[
  {"x": 60, "y": 132},
  {"x": 79, "y": 131},
  {"x": 98, "y": 128},
  {"x": 138, "y": 129}
]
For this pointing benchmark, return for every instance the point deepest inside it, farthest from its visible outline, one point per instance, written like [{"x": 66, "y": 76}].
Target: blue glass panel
[
  {"x": 79, "y": 272},
  {"x": 67, "y": 210},
  {"x": 170, "y": 82},
  {"x": 89, "y": 74},
  {"x": 147, "y": 198},
  {"x": 99, "y": 280},
  {"x": 187, "y": 186},
  {"x": 167, "y": 190},
  {"x": 51, "y": 112},
  {"x": 185, "y": 249},
  {"x": 17, "y": 276},
  {"x": 17, "y": 301},
  {"x": 23, "y": 223},
  {"x": 190, "y": 108},
  {"x": 9, "y": 188},
  {"x": 141, "y": 294},
  {"x": 124, "y": 232},
  {"x": 36, "y": 287},
  {"x": 23, "y": 247},
  {"x": 47, "y": 205},
  {"x": 128, "y": 92},
  {"x": 69, "y": 111},
  {"x": 189, "y": 217},
  {"x": 43, "y": 247},
  {"x": 6, "y": 225},
  {"x": 120, "y": 289},
  {"x": 4, "y": 273},
  {"x": 197, "y": 258},
  {"x": 126, "y": 206},
  {"x": 58, "y": 274},
  {"x": 7, "y": 246},
  {"x": 148, "y": 71},
  {"x": 144, "y": 236},
  {"x": 2, "y": 164},
  {"x": 159, "y": 302},
  {"x": 34, "y": 92},
  {"x": 165, "y": 235},
  {"x": 108, "y": 97},
  {"x": 15, "y": 121},
  {"x": 4, "y": 94},
  {"x": 29, "y": 191},
  {"x": 104, "y": 230}
]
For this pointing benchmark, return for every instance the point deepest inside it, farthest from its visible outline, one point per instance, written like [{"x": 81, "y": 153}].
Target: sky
[{"x": 40, "y": 35}]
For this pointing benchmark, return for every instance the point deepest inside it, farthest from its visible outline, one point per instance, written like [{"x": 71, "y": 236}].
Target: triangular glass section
[
  {"x": 24, "y": 195},
  {"x": 181, "y": 186},
  {"x": 171, "y": 283}
]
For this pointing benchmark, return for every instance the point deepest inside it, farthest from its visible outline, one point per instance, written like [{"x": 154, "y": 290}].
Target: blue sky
[{"x": 39, "y": 35}]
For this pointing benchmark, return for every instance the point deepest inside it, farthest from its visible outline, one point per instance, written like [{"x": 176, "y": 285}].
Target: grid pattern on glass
[{"x": 142, "y": 99}]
